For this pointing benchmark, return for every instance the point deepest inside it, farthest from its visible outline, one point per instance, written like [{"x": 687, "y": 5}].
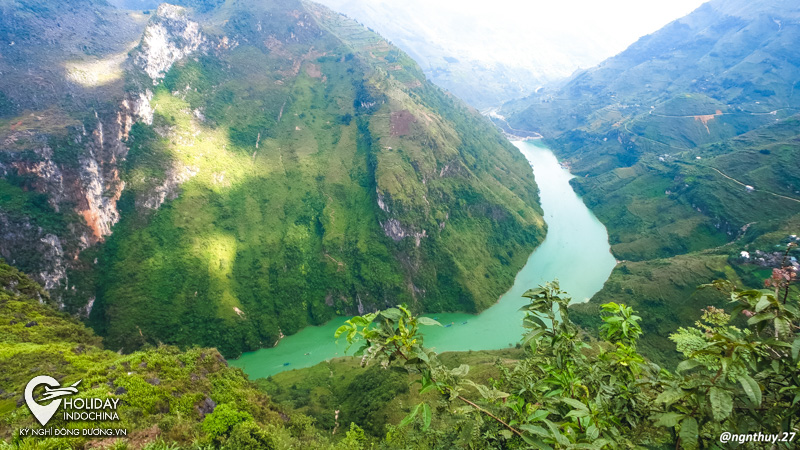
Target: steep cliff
[
  {"x": 224, "y": 174},
  {"x": 64, "y": 115}
]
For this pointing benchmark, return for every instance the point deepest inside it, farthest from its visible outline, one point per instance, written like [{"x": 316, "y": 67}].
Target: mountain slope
[
  {"x": 273, "y": 164},
  {"x": 164, "y": 394},
  {"x": 686, "y": 144},
  {"x": 733, "y": 56}
]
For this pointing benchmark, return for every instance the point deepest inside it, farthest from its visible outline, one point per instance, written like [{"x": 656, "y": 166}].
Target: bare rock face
[
  {"x": 88, "y": 180},
  {"x": 85, "y": 181},
  {"x": 99, "y": 181},
  {"x": 54, "y": 253},
  {"x": 168, "y": 189},
  {"x": 135, "y": 107},
  {"x": 395, "y": 230},
  {"x": 169, "y": 37},
  {"x": 47, "y": 175},
  {"x": 21, "y": 241}
]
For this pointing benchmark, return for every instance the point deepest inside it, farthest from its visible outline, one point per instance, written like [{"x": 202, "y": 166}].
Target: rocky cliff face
[
  {"x": 80, "y": 182},
  {"x": 80, "y": 179},
  {"x": 169, "y": 37}
]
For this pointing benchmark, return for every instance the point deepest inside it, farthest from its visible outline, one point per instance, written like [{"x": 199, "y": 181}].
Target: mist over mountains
[{"x": 488, "y": 54}]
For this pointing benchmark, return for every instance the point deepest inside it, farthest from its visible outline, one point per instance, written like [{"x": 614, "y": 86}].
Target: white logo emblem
[{"x": 52, "y": 390}]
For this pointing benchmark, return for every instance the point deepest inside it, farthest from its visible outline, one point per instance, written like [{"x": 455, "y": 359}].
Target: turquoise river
[{"x": 575, "y": 251}]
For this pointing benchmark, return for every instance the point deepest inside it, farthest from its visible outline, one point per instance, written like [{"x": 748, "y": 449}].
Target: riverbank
[{"x": 575, "y": 251}]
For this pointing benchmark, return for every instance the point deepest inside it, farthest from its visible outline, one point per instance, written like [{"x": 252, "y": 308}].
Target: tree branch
[{"x": 514, "y": 430}]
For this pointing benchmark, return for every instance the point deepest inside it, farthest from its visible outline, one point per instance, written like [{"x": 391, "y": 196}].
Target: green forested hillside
[
  {"x": 260, "y": 166},
  {"x": 686, "y": 147},
  {"x": 168, "y": 398}
]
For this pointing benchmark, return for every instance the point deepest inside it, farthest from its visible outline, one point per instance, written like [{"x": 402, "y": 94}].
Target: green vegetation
[
  {"x": 562, "y": 389},
  {"x": 168, "y": 398},
  {"x": 19, "y": 203},
  {"x": 667, "y": 290},
  {"x": 297, "y": 167},
  {"x": 570, "y": 393},
  {"x": 294, "y": 159}
]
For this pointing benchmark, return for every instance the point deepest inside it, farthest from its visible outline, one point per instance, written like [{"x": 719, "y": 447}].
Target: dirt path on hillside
[{"x": 754, "y": 189}]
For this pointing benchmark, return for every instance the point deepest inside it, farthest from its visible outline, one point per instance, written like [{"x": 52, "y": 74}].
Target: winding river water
[{"x": 575, "y": 251}]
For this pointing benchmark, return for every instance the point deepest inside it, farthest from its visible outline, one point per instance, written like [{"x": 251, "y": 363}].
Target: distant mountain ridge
[
  {"x": 737, "y": 53},
  {"x": 479, "y": 59}
]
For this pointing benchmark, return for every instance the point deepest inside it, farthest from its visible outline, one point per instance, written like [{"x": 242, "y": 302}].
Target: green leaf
[
  {"x": 538, "y": 415},
  {"x": 405, "y": 310},
  {"x": 535, "y": 442},
  {"x": 669, "y": 419},
  {"x": 576, "y": 404},
  {"x": 535, "y": 429},
  {"x": 460, "y": 371},
  {"x": 340, "y": 330},
  {"x": 592, "y": 432},
  {"x": 483, "y": 390},
  {"x": 533, "y": 293},
  {"x": 427, "y": 321},
  {"x": 796, "y": 349},
  {"x": 532, "y": 321},
  {"x": 393, "y": 314},
  {"x": 751, "y": 388},
  {"x": 578, "y": 413},
  {"x": 670, "y": 396},
  {"x": 556, "y": 433},
  {"x": 763, "y": 303},
  {"x": 360, "y": 321},
  {"x": 760, "y": 318},
  {"x": 783, "y": 326},
  {"x": 689, "y": 433},
  {"x": 600, "y": 443},
  {"x": 791, "y": 309},
  {"x": 426, "y": 416},
  {"x": 689, "y": 364},
  {"x": 498, "y": 394},
  {"x": 721, "y": 403},
  {"x": 427, "y": 383},
  {"x": 410, "y": 417}
]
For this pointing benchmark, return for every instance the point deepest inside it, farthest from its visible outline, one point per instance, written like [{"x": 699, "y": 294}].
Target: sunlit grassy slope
[{"x": 301, "y": 148}]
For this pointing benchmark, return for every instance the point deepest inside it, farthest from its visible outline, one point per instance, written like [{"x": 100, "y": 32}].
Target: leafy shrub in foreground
[{"x": 568, "y": 393}]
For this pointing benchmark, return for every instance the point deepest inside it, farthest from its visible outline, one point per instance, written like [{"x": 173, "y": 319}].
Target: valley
[
  {"x": 686, "y": 163},
  {"x": 575, "y": 251},
  {"x": 264, "y": 225}
]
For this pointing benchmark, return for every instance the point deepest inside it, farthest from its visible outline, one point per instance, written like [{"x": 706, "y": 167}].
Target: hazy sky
[
  {"x": 618, "y": 22},
  {"x": 622, "y": 20},
  {"x": 559, "y": 31}
]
